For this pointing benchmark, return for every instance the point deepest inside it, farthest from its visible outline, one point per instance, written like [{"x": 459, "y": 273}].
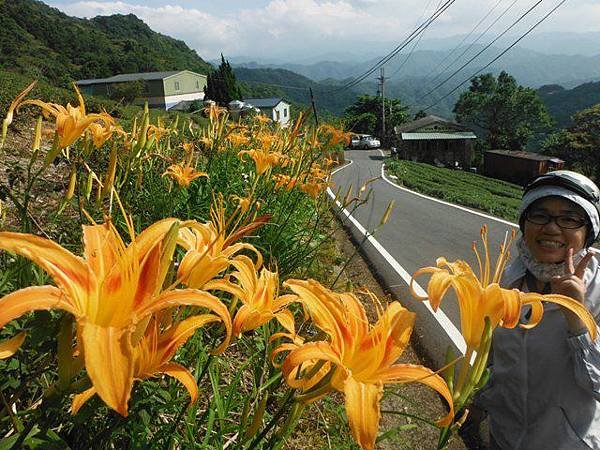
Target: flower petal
[
  {"x": 313, "y": 351},
  {"x": 178, "y": 334},
  {"x": 191, "y": 297},
  {"x": 68, "y": 271},
  {"x": 437, "y": 286},
  {"x": 33, "y": 298},
  {"x": 101, "y": 246},
  {"x": 409, "y": 373},
  {"x": 286, "y": 320},
  {"x": 109, "y": 363},
  {"x": 247, "y": 318},
  {"x": 572, "y": 305},
  {"x": 10, "y": 346},
  {"x": 80, "y": 399},
  {"x": 362, "y": 409},
  {"x": 325, "y": 307},
  {"x": 184, "y": 376}
]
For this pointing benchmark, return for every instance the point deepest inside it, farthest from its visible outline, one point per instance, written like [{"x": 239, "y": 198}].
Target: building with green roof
[{"x": 160, "y": 89}]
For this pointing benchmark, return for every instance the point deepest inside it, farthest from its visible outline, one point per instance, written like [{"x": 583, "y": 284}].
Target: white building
[{"x": 275, "y": 108}]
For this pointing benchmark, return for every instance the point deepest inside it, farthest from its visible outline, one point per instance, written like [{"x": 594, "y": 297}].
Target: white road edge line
[
  {"x": 439, "y": 315},
  {"x": 437, "y": 200}
]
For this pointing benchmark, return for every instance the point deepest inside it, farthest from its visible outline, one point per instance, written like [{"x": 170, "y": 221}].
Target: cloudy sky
[{"x": 274, "y": 28}]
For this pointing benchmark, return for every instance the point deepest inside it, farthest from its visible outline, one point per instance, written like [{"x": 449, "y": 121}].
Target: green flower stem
[{"x": 280, "y": 412}]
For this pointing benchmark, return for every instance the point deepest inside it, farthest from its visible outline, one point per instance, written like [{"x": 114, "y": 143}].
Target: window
[
  {"x": 177, "y": 86},
  {"x": 277, "y": 116},
  {"x": 285, "y": 112},
  {"x": 197, "y": 84}
]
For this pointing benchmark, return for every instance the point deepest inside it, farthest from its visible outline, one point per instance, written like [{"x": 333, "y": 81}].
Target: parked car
[
  {"x": 354, "y": 141},
  {"x": 367, "y": 141}
]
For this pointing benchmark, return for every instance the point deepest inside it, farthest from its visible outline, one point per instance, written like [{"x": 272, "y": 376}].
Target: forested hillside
[
  {"x": 42, "y": 42},
  {"x": 563, "y": 103}
]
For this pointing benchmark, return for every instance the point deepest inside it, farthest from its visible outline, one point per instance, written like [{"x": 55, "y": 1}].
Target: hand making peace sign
[{"x": 572, "y": 285}]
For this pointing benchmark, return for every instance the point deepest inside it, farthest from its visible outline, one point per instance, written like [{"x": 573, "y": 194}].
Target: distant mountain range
[
  {"x": 550, "y": 43},
  {"x": 529, "y": 67}
]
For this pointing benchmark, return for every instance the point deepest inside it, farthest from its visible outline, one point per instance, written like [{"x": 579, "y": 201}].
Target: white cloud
[{"x": 314, "y": 26}]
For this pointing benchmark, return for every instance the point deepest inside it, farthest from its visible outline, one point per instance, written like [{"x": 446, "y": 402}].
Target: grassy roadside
[{"x": 463, "y": 188}]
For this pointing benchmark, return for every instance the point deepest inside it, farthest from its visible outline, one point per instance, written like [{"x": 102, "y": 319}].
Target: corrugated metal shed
[
  {"x": 526, "y": 155},
  {"x": 438, "y": 136}
]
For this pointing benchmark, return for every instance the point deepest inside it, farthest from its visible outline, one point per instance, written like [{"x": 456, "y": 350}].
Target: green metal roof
[
  {"x": 438, "y": 136},
  {"x": 124, "y": 77}
]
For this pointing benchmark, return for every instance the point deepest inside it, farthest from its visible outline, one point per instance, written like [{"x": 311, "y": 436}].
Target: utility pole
[
  {"x": 314, "y": 108},
  {"x": 381, "y": 80}
]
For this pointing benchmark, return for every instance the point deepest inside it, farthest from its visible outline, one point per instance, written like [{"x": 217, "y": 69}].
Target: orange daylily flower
[
  {"x": 157, "y": 131},
  {"x": 313, "y": 189},
  {"x": 243, "y": 202},
  {"x": 214, "y": 112},
  {"x": 284, "y": 181},
  {"x": 259, "y": 295},
  {"x": 484, "y": 306},
  {"x": 109, "y": 291},
  {"x": 263, "y": 159},
  {"x": 334, "y": 135},
  {"x": 261, "y": 118},
  {"x": 209, "y": 249},
  {"x": 71, "y": 122},
  {"x": 482, "y": 297},
  {"x": 188, "y": 147},
  {"x": 152, "y": 356},
  {"x": 10, "y": 346},
  {"x": 183, "y": 174},
  {"x": 102, "y": 132},
  {"x": 238, "y": 139},
  {"x": 363, "y": 355}
]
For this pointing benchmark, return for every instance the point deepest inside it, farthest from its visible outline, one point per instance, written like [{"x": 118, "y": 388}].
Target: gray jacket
[{"x": 544, "y": 392}]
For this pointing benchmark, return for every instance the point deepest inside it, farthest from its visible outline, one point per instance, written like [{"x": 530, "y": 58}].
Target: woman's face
[{"x": 549, "y": 243}]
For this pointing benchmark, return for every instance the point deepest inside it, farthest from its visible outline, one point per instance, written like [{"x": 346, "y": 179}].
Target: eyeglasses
[{"x": 566, "y": 222}]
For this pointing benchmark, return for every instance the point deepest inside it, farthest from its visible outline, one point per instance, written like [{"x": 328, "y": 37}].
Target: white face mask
[{"x": 545, "y": 271}]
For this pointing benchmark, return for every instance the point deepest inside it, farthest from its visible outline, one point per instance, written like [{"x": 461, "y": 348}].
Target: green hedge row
[{"x": 468, "y": 189}]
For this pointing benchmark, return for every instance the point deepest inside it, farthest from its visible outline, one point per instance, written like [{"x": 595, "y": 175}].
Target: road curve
[{"x": 418, "y": 231}]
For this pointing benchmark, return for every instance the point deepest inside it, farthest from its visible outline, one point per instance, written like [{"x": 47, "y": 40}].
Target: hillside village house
[
  {"x": 276, "y": 109},
  {"x": 435, "y": 140},
  {"x": 160, "y": 89},
  {"x": 518, "y": 166}
]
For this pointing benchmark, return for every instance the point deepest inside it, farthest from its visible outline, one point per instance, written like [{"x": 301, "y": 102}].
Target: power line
[
  {"x": 499, "y": 56},
  {"x": 467, "y": 37},
  {"x": 400, "y": 47},
  {"x": 397, "y": 49},
  {"x": 403, "y": 63},
  {"x": 482, "y": 50}
]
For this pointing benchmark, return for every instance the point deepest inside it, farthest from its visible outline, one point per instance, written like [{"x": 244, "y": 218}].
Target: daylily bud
[
  {"x": 258, "y": 417},
  {"x": 386, "y": 214},
  {"x": 72, "y": 183}
]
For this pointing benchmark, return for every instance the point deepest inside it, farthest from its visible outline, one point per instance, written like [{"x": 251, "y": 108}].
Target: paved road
[{"x": 418, "y": 231}]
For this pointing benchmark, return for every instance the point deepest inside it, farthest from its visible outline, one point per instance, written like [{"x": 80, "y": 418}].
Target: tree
[
  {"x": 420, "y": 114},
  {"x": 364, "y": 116},
  {"x": 221, "y": 85},
  {"x": 579, "y": 145},
  {"x": 508, "y": 114}
]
